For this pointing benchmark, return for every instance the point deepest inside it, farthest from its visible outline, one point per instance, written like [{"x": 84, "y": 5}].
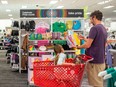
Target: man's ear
[{"x": 94, "y": 17}]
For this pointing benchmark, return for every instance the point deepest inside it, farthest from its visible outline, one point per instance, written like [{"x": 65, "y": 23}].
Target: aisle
[
  {"x": 14, "y": 79},
  {"x": 9, "y": 78}
]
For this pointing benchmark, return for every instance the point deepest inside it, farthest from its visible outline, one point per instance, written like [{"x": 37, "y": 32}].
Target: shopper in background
[{"x": 95, "y": 47}]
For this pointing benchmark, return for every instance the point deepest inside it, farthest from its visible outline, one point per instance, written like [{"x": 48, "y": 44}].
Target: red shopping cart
[{"x": 46, "y": 74}]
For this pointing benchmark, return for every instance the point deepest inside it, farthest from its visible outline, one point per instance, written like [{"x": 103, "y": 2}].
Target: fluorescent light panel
[
  {"x": 10, "y": 15},
  {"x": 74, "y": 1},
  {"x": 53, "y": 2},
  {"x": 11, "y": 18},
  {"x": 8, "y": 10},
  {"x": 107, "y": 7},
  {"x": 4, "y": 2},
  {"x": 104, "y": 2},
  {"x": 24, "y": 6},
  {"x": 60, "y": 6},
  {"x": 114, "y": 11}
]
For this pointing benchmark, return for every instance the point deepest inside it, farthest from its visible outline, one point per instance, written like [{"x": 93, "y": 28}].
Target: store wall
[
  {"x": 5, "y": 23},
  {"x": 113, "y": 26}
]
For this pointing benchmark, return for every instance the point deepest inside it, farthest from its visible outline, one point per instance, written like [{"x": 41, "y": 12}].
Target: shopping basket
[{"x": 59, "y": 75}]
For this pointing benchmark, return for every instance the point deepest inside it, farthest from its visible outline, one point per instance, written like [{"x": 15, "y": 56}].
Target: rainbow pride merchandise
[{"x": 31, "y": 48}]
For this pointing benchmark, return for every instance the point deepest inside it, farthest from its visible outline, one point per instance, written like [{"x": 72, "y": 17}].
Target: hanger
[
  {"x": 103, "y": 73},
  {"x": 108, "y": 76}
]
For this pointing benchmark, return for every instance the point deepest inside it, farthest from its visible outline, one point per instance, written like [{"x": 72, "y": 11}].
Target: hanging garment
[
  {"x": 15, "y": 33},
  {"x": 112, "y": 80},
  {"x": 41, "y": 30},
  {"x": 27, "y": 26},
  {"x": 76, "y": 24},
  {"x": 16, "y": 24},
  {"x": 69, "y": 24},
  {"x": 42, "y": 27},
  {"x": 24, "y": 61},
  {"x": 108, "y": 56},
  {"x": 25, "y": 43},
  {"x": 59, "y": 27},
  {"x": 32, "y": 24},
  {"x": 22, "y": 26}
]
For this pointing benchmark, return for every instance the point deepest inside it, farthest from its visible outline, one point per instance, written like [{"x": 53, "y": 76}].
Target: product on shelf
[
  {"x": 76, "y": 24},
  {"x": 59, "y": 27},
  {"x": 69, "y": 24}
]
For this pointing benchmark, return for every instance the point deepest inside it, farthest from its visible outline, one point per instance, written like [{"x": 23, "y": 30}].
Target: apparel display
[
  {"x": 48, "y": 44},
  {"x": 109, "y": 74},
  {"x": 42, "y": 39}
]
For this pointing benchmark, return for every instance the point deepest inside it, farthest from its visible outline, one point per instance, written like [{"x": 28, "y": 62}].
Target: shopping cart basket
[{"x": 59, "y": 75}]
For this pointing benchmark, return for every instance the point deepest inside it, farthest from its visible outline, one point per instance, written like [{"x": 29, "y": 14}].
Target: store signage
[
  {"x": 27, "y": 13},
  {"x": 68, "y": 13},
  {"x": 35, "y": 13},
  {"x": 52, "y": 13}
]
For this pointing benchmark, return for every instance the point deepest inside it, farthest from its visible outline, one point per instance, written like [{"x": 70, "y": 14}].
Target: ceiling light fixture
[
  {"x": 4, "y": 2},
  {"x": 53, "y": 2},
  {"x": 24, "y": 6},
  {"x": 60, "y": 6},
  {"x": 107, "y": 7},
  {"x": 74, "y": 1},
  {"x": 10, "y": 15},
  {"x": 114, "y": 11},
  {"x": 104, "y": 2},
  {"x": 11, "y": 18},
  {"x": 8, "y": 10}
]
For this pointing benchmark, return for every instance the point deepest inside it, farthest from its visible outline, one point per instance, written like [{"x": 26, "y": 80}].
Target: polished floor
[{"x": 9, "y": 78}]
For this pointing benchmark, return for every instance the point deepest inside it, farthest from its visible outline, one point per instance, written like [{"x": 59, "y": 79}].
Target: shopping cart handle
[{"x": 86, "y": 58}]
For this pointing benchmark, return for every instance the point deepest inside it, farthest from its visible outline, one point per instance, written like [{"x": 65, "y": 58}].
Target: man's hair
[{"x": 98, "y": 15}]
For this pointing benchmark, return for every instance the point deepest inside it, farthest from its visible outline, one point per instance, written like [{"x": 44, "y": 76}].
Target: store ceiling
[{"x": 16, "y": 5}]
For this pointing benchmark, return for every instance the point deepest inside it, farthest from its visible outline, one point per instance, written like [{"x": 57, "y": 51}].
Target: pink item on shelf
[
  {"x": 43, "y": 43},
  {"x": 43, "y": 25},
  {"x": 40, "y": 30}
]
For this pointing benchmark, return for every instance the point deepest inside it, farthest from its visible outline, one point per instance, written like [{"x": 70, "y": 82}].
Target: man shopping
[{"x": 95, "y": 47}]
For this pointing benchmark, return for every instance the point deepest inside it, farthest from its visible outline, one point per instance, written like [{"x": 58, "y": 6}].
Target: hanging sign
[
  {"x": 64, "y": 13},
  {"x": 35, "y": 13},
  {"x": 68, "y": 13}
]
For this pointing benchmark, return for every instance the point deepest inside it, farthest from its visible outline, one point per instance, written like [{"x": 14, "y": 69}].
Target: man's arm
[
  {"x": 111, "y": 41},
  {"x": 81, "y": 37},
  {"x": 87, "y": 44}
]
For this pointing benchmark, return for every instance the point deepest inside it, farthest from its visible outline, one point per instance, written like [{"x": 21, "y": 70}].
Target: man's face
[{"x": 92, "y": 20}]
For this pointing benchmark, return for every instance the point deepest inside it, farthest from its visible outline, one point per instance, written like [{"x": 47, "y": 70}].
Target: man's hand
[
  {"x": 81, "y": 37},
  {"x": 77, "y": 47}
]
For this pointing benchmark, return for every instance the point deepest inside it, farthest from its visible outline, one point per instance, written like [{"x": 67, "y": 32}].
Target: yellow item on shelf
[{"x": 69, "y": 24}]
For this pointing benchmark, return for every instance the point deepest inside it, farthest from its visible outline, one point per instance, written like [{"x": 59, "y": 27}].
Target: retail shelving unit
[{"x": 50, "y": 16}]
